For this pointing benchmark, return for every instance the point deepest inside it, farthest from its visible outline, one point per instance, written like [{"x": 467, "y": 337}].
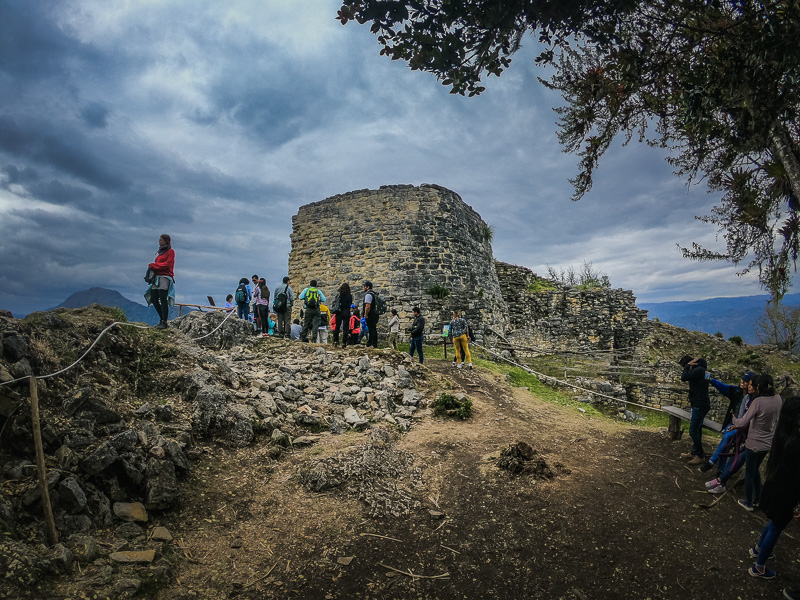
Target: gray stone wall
[
  {"x": 405, "y": 239},
  {"x": 569, "y": 319}
]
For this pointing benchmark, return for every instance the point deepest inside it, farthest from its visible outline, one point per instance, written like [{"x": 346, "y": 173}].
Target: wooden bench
[
  {"x": 677, "y": 414},
  {"x": 199, "y": 307}
]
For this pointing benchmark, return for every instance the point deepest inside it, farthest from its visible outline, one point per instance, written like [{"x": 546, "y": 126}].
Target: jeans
[
  {"x": 732, "y": 468},
  {"x": 243, "y": 310},
  {"x": 766, "y": 543},
  {"x": 312, "y": 319},
  {"x": 372, "y": 334},
  {"x": 416, "y": 343},
  {"x": 716, "y": 459},
  {"x": 161, "y": 304},
  {"x": 752, "y": 476},
  {"x": 284, "y": 323},
  {"x": 696, "y": 430}
]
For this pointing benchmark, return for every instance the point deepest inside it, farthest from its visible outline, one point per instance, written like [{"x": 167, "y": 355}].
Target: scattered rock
[
  {"x": 131, "y": 511},
  {"x": 133, "y": 556}
]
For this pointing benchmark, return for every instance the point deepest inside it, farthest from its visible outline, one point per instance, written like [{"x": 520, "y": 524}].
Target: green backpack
[{"x": 312, "y": 298}]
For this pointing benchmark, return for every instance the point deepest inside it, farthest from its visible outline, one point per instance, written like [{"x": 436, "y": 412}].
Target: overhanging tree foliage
[{"x": 715, "y": 82}]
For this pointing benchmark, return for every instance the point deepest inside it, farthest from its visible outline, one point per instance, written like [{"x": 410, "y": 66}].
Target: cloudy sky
[{"x": 215, "y": 121}]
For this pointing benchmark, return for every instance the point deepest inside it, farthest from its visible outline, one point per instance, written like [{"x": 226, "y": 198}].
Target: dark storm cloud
[{"x": 95, "y": 114}]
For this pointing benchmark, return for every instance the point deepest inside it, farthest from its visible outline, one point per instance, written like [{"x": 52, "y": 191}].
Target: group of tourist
[
  {"x": 757, "y": 423},
  {"x": 349, "y": 324}
]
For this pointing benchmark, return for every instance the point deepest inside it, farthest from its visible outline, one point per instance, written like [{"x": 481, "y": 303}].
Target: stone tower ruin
[{"x": 420, "y": 246}]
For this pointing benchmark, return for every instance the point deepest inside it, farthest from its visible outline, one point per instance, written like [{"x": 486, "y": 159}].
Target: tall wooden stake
[{"x": 40, "y": 467}]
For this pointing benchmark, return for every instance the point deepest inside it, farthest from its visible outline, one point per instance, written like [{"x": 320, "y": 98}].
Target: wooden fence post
[{"x": 40, "y": 466}]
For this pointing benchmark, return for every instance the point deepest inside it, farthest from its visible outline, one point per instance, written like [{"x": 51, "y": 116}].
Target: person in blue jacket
[{"x": 739, "y": 399}]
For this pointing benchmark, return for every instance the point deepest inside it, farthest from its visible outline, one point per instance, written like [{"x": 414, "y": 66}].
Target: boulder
[
  {"x": 131, "y": 511},
  {"x": 162, "y": 484},
  {"x": 71, "y": 496}
]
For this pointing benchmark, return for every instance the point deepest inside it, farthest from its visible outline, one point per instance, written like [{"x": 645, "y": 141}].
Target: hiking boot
[
  {"x": 743, "y": 503},
  {"x": 754, "y": 552},
  {"x": 713, "y": 483},
  {"x": 696, "y": 461},
  {"x": 706, "y": 467},
  {"x": 687, "y": 455},
  {"x": 762, "y": 574},
  {"x": 161, "y": 325},
  {"x": 791, "y": 594}
]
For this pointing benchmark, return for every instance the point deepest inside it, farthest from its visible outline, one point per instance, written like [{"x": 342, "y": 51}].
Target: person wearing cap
[
  {"x": 694, "y": 372},
  {"x": 739, "y": 400},
  {"x": 370, "y": 315}
]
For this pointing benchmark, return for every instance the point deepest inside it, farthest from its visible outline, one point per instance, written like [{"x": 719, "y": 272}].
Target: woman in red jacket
[{"x": 162, "y": 291}]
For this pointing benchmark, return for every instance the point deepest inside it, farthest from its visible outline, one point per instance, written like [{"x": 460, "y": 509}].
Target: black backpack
[
  {"x": 335, "y": 304},
  {"x": 281, "y": 301},
  {"x": 378, "y": 302},
  {"x": 242, "y": 294}
]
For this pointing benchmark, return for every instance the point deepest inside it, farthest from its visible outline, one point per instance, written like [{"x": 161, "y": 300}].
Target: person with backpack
[
  {"x": 340, "y": 307},
  {"x": 739, "y": 400},
  {"x": 161, "y": 293},
  {"x": 781, "y": 493},
  {"x": 242, "y": 297},
  {"x": 374, "y": 307},
  {"x": 312, "y": 300},
  {"x": 282, "y": 305}
]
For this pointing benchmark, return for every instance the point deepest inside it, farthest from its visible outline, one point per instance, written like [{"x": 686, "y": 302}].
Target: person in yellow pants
[{"x": 458, "y": 333}]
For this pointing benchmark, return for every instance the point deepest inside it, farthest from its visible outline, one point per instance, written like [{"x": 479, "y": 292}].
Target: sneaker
[
  {"x": 460, "y": 365},
  {"x": 713, "y": 483},
  {"x": 720, "y": 489},
  {"x": 687, "y": 455},
  {"x": 791, "y": 594},
  {"x": 706, "y": 467},
  {"x": 470, "y": 365},
  {"x": 454, "y": 363},
  {"x": 753, "y": 552},
  {"x": 264, "y": 335},
  {"x": 696, "y": 461},
  {"x": 743, "y": 503},
  {"x": 765, "y": 574}
]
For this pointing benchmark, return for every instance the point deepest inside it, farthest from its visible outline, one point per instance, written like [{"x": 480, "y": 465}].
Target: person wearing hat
[
  {"x": 739, "y": 400},
  {"x": 370, "y": 315}
]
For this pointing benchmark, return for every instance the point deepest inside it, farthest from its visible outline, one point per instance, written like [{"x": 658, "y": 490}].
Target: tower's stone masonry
[{"x": 408, "y": 241}]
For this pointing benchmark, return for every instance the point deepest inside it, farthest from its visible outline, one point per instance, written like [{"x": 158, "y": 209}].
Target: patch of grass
[
  {"x": 538, "y": 284},
  {"x": 448, "y": 405}
]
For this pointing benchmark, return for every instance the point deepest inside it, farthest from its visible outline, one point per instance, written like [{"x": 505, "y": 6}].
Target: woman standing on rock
[
  {"x": 161, "y": 293},
  {"x": 261, "y": 295},
  {"x": 781, "y": 493}
]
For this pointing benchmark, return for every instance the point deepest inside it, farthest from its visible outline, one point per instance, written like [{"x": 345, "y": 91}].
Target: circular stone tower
[{"x": 420, "y": 246}]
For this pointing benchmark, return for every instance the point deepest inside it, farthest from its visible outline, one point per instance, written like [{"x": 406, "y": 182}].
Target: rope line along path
[{"x": 548, "y": 379}]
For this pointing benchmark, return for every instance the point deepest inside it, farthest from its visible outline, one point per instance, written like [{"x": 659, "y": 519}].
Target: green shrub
[
  {"x": 538, "y": 284},
  {"x": 719, "y": 334},
  {"x": 446, "y": 404},
  {"x": 736, "y": 339},
  {"x": 438, "y": 291}
]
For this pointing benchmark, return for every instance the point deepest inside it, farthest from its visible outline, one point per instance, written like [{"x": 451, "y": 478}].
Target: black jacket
[
  {"x": 698, "y": 384},
  {"x": 418, "y": 327},
  {"x": 782, "y": 491}
]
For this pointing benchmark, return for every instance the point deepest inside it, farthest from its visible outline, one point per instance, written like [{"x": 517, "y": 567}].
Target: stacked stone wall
[
  {"x": 406, "y": 240},
  {"x": 568, "y": 319}
]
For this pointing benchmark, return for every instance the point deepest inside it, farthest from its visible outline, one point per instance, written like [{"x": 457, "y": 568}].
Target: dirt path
[{"x": 623, "y": 523}]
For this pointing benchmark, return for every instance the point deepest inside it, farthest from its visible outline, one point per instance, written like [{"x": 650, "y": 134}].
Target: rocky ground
[{"x": 234, "y": 468}]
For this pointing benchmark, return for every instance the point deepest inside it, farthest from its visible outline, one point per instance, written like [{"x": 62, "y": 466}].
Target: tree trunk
[{"x": 784, "y": 152}]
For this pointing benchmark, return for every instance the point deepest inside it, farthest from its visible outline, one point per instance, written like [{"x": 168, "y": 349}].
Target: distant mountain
[
  {"x": 134, "y": 311},
  {"x": 731, "y": 316}
]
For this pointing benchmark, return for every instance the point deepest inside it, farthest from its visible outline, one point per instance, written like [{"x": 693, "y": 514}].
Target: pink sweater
[{"x": 762, "y": 415}]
